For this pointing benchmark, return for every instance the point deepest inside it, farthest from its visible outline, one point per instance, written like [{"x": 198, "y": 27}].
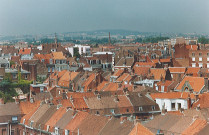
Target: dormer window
[
  {"x": 112, "y": 111},
  {"x": 31, "y": 124},
  {"x": 14, "y": 119},
  {"x": 140, "y": 108},
  {"x": 56, "y": 130},
  {"x": 153, "y": 108}
]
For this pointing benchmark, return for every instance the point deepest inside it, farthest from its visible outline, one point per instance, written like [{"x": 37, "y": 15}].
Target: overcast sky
[{"x": 49, "y": 16}]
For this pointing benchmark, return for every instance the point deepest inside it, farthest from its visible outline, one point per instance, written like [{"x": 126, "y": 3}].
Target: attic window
[
  {"x": 14, "y": 118},
  {"x": 127, "y": 110},
  {"x": 140, "y": 109},
  {"x": 31, "y": 124},
  {"x": 186, "y": 89},
  {"x": 153, "y": 108},
  {"x": 112, "y": 111}
]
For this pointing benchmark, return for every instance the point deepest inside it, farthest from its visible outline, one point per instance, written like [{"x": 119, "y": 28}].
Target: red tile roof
[
  {"x": 203, "y": 101},
  {"x": 139, "y": 129},
  {"x": 58, "y": 55},
  {"x": 191, "y": 47},
  {"x": 197, "y": 83},
  {"x": 195, "y": 127},
  {"x": 55, "y": 118},
  {"x": 172, "y": 95},
  {"x": 111, "y": 87},
  {"x": 177, "y": 69},
  {"x": 76, "y": 121},
  {"x": 25, "y": 51},
  {"x": 158, "y": 73}
]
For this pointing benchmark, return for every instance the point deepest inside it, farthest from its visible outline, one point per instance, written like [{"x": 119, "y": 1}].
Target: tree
[{"x": 76, "y": 53}]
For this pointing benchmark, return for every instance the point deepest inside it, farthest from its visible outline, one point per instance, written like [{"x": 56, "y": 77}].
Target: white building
[
  {"x": 173, "y": 101},
  {"x": 82, "y": 49}
]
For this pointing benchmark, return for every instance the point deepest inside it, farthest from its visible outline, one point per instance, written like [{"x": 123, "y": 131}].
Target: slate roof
[{"x": 129, "y": 61}]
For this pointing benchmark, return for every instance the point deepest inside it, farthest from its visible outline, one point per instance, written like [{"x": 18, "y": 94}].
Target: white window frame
[
  {"x": 200, "y": 65},
  {"x": 162, "y": 88},
  {"x": 193, "y": 64},
  {"x": 193, "y": 58},
  {"x": 200, "y": 58},
  {"x": 140, "y": 108}
]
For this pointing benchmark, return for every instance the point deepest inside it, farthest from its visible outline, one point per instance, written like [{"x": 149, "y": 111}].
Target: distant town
[{"x": 106, "y": 82}]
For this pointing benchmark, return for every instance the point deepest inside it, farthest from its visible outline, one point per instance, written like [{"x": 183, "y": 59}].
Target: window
[
  {"x": 26, "y": 76},
  {"x": 207, "y": 65},
  {"x": 14, "y": 76},
  {"x": 52, "y": 69},
  {"x": 31, "y": 124},
  {"x": 193, "y": 58},
  {"x": 127, "y": 110},
  {"x": 162, "y": 88},
  {"x": 14, "y": 118},
  {"x": 207, "y": 58},
  {"x": 200, "y": 54},
  {"x": 51, "y": 61},
  {"x": 42, "y": 60},
  {"x": 193, "y": 54},
  {"x": 193, "y": 64},
  {"x": 140, "y": 109},
  {"x": 56, "y": 130},
  {"x": 112, "y": 111},
  {"x": 200, "y": 64},
  {"x": 173, "y": 106},
  {"x": 200, "y": 58},
  {"x": 48, "y": 69},
  {"x": 153, "y": 107},
  {"x": 207, "y": 54},
  {"x": 156, "y": 88},
  {"x": 41, "y": 89},
  {"x": 67, "y": 132},
  {"x": 97, "y": 112}
]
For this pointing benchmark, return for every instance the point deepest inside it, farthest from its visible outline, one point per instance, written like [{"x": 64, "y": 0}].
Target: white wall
[{"x": 167, "y": 103}]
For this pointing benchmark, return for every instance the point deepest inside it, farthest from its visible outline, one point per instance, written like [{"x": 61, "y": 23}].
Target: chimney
[
  {"x": 206, "y": 84},
  {"x": 71, "y": 98},
  {"x": 196, "y": 97},
  {"x": 189, "y": 101},
  {"x": 116, "y": 99}
]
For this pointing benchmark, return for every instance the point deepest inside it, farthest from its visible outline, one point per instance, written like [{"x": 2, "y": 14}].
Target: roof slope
[
  {"x": 140, "y": 130},
  {"x": 115, "y": 126}
]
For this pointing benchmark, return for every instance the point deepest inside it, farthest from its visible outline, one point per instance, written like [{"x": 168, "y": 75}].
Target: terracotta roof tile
[
  {"x": 58, "y": 55},
  {"x": 76, "y": 121},
  {"x": 111, "y": 87},
  {"x": 195, "y": 127},
  {"x": 203, "y": 101},
  {"x": 118, "y": 72},
  {"x": 55, "y": 118},
  {"x": 139, "y": 129},
  {"x": 25, "y": 51},
  {"x": 27, "y": 107},
  {"x": 158, "y": 73},
  {"x": 125, "y": 77},
  {"x": 197, "y": 83},
  {"x": 177, "y": 70}
]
